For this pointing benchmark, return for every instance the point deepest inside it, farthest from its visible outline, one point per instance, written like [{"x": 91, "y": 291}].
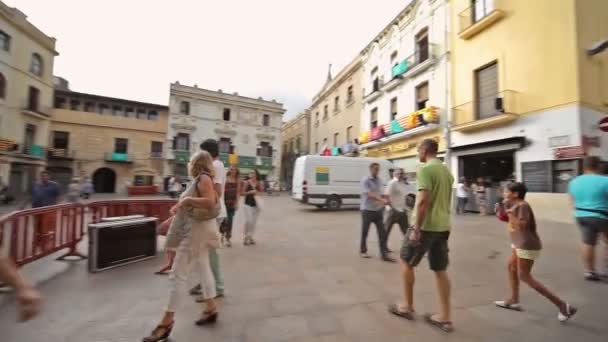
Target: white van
[{"x": 333, "y": 182}]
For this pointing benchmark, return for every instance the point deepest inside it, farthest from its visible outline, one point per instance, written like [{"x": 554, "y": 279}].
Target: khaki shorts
[{"x": 526, "y": 254}]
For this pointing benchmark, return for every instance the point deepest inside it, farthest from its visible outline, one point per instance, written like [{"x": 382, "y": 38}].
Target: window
[
  {"x": 141, "y": 114},
  {"x": 486, "y": 91},
  {"x": 121, "y": 145},
  {"x": 33, "y": 99},
  {"x": 117, "y": 110},
  {"x": 422, "y": 95},
  {"x": 224, "y": 145},
  {"x": 152, "y": 115},
  {"x": 89, "y": 107},
  {"x": 373, "y": 118},
  {"x": 60, "y": 102},
  {"x": 266, "y": 120},
  {"x": 61, "y": 140},
  {"x": 2, "y": 86},
  {"x": 265, "y": 149},
  {"x": 422, "y": 45},
  {"x": 481, "y": 8},
  {"x": 317, "y": 117},
  {"x": 336, "y": 139},
  {"x": 375, "y": 80},
  {"x": 182, "y": 142},
  {"x": 299, "y": 144},
  {"x": 30, "y": 137},
  {"x": 316, "y": 147},
  {"x": 350, "y": 94},
  {"x": 393, "y": 108},
  {"x": 336, "y": 103},
  {"x": 129, "y": 112},
  {"x": 394, "y": 58},
  {"x": 184, "y": 107},
  {"x": 74, "y": 105},
  {"x": 104, "y": 108},
  {"x": 349, "y": 134},
  {"x": 325, "y": 112},
  {"x": 324, "y": 142},
  {"x": 36, "y": 64},
  {"x": 5, "y": 41},
  {"x": 226, "y": 114},
  {"x": 156, "y": 149},
  {"x": 290, "y": 145},
  {"x": 140, "y": 180}
]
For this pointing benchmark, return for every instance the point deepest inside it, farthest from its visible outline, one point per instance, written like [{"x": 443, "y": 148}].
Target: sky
[{"x": 277, "y": 49}]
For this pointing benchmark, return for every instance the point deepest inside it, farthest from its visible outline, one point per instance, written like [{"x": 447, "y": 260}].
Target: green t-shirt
[{"x": 435, "y": 178}]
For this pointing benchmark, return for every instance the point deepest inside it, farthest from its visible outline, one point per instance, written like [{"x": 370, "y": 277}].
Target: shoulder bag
[{"x": 204, "y": 214}]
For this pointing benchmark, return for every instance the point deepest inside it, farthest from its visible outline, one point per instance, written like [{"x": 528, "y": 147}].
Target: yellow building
[
  {"x": 114, "y": 142},
  {"x": 26, "y": 97},
  {"x": 528, "y": 98},
  {"x": 336, "y": 110},
  {"x": 295, "y": 137}
]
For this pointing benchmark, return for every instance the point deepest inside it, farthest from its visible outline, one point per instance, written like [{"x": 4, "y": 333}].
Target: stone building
[
  {"x": 248, "y": 130},
  {"x": 295, "y": 137},
  {"x": 26, "y": 97}
]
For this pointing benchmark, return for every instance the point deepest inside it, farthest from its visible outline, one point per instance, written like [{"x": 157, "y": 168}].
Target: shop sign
[
  {"x": 603, "y": 124},
  {"x": 570, "y": 152},
  {"x": 397, "y": 147},
  {"x": 562, "y": 140}
]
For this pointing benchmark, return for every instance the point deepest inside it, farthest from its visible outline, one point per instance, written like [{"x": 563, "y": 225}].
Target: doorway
[{"x": 104, "y": 180}]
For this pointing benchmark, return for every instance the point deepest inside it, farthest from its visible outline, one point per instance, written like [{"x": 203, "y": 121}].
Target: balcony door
[
  {"x": 481, "y": 8},
  {"x": 486, "y": 90},
  {"x": 422, "y": 45},
  {"x": 30, "y": 137}
]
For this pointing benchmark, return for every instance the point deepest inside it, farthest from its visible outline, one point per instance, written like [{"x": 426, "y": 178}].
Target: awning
[{"x": 508, "y": 144}]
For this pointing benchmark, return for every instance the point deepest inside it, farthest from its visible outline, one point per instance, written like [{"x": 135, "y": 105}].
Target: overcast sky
[{"x": 276, "y": 49}]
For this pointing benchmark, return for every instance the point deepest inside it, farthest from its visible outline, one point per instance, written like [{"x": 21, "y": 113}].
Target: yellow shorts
[{"x": 526, "y": 254}]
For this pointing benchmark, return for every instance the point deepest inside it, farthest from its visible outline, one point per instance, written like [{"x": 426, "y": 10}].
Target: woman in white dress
[{"x": 193, "y": 239}]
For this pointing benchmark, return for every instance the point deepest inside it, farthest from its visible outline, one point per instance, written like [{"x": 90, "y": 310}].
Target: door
[
  {"x": 104, "y": 180},
  {"x": 486, "y": 90}
]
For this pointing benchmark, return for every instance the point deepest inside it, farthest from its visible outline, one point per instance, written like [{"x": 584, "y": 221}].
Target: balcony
[
  {"x": 156, "y": 155},
  {"x": 7, "y": 145},
  {"x": 39, "y": 112},
  {"x": 411, "y": 66},
  {"x": 181, "y": 156},
  {"x": 487, "y": 112},
  {"x": 35, "y": 151},
  {"x": 479, "y": 16},
  {"x": 118, "y": 157},
  {"x": 61, "y": 153}
]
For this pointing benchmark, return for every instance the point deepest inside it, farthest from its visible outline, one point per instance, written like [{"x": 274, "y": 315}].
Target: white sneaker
[{"x": 571, "y": 311}]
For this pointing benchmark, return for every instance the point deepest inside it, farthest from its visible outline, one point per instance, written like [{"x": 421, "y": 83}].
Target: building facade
[
  {"x": 335, "y": 111},
  {"x": 528, "y": 99},
  {"x": 114, "y": 142},
  {"x": 247, "y": 129},
  {"x": 26, "y": 99},
  {"x": 295, "y": 137},
  {"x": 406, "y": 84}
]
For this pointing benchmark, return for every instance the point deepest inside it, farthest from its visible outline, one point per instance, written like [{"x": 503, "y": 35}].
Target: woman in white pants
[
  {"x": 251, "y": 209},
  {"x": 193, "y": 239}
]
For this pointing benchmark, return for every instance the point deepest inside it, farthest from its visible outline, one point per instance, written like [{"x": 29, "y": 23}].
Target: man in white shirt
[
  {"x": 211, "y": 146},
  {"x": 396, "y": 191}
]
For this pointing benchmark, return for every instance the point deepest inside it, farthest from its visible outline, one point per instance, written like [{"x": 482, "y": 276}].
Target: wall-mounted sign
[
  {"x": 603, "y": 124},
  {"x": 537, "y": 176},
  {"x": 570, "y": 152},
  {"x": 321, "y": 175},
  {"x": 562, "y": 140}
]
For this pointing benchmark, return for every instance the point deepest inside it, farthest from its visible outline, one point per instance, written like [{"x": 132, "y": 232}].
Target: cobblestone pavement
[{"x": 304, "y": 281}]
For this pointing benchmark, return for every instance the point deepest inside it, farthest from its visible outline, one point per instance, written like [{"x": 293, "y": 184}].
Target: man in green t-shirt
[{"x": 429, "y": 233}]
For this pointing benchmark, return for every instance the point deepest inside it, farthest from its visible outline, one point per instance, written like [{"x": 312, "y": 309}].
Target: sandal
[
  {"x": 208, "y": 318},
  {"x": 509, "y": 306},
  {"x": 396, "y": 310},
  {"x": 570, "y": 311},
  {"x": 445, "y": 326},
  {"x": 154, "y": 337}
]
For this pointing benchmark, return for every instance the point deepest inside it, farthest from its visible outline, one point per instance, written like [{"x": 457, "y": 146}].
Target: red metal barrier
[
  {"x": 31, "y": 234},
  {"x": 35, "y": 233}
]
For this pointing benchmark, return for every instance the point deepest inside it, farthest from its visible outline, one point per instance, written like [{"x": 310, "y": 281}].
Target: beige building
[
  {"x": 295, "y": 137},
  {"x": 26, "y": 96},
  {"x": 115, "y": 142},
  {"x": 336, "y": 110}
]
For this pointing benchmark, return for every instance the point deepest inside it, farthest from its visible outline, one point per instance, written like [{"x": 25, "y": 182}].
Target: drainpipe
[{"x": 447, "y": 123}]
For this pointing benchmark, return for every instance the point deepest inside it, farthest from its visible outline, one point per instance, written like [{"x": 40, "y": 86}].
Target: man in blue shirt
[
  {"x": 372, "y": 207},
  {"x": 589, "y": 194},
  {"x": 45, "y": 192}
]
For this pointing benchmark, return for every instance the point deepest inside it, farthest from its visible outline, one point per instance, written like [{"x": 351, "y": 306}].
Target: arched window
[
  {"x": 36, "y": 66},
  {"x": 2, "y": 86}
]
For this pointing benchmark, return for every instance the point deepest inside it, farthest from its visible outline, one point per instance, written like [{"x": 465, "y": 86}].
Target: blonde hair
[{"x": 201, "y": 162}]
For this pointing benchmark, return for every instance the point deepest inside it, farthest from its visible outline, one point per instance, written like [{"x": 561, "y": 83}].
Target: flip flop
[
  {"x": 445, "y": 326},
  {"x": 503, "y": 304},
  {"x": 395, "y": 310}
]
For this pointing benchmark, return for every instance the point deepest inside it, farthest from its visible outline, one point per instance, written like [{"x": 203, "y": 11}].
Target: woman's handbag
[{"x": 204, "y": 214}]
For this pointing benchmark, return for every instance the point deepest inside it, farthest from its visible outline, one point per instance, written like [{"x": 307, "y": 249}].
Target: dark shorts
[
  {"x": 591, "y": 227},
  {"x": 435, "y": 243}
]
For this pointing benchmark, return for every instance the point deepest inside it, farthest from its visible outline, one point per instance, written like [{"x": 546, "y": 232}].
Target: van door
[{"x": 298, "y": 178}]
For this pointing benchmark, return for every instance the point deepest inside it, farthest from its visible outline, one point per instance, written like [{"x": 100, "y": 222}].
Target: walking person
[
  {"x": 73, "y": 191},
  {"x": 232, "y": 192},
  {"x": 462, "y": 196},
  {"x": 589, "y": 193},
  {"x": 45, "y": 193},
  {"x": 252, "y": 205},
  {"x": 429, "y": 233},
  {"x": 175, "y": 187},
  {"x": 87, "y": 188},
  {"x": 372, "y": 206},
  {"x": 211, "y": 146},
  {"x": 396, "y": 190},
  {"x": 28, "y": 298},
  {"x": 192, "y": 237},
  {"x": 526, "y": 247},
  {"x": 482, "y": 197}
]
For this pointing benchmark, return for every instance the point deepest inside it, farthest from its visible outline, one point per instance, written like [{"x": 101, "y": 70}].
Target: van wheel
[
  {"x": 319, "y": 206},
  {"x": 333, "y": 203},
  {"x": 410, "y": 201}
]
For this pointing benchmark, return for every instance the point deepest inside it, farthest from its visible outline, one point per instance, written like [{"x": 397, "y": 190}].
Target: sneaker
[
  {"x": 592, "y": 276},
  {"x": 365, "y": 256},
  {"x": 388, "y": 259},
  {"x": 570, "y": 311}
]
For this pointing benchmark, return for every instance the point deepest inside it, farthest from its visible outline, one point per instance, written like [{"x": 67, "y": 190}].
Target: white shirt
[
  {"x": 396, "y": 191},
  {"x": 220, "y": 178},
  {"x": 174, "y": 185},
  {"x": 461, "y": 192}
]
